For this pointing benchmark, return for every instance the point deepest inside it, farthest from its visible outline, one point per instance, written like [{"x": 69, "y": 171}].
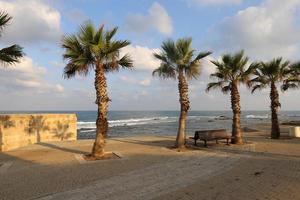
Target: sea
[{"x": 129, "y": 123}]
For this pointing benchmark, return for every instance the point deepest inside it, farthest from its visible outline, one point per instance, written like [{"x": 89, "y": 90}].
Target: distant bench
[{"x": 209, "y": 135}]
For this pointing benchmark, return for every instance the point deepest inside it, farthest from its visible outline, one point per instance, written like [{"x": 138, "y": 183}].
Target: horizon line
[{"x": 137, "y": 110}]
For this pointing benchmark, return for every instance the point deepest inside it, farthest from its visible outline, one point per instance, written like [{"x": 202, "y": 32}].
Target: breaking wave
[
  {"x": 257, "y": 116},
  {"x": 128, "y": 122}
]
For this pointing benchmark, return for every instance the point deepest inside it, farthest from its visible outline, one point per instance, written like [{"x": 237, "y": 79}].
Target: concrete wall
[{"x": 18, "y": 130}]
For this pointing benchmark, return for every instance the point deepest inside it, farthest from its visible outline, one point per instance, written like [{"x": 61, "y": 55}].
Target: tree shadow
[
  {"x": 255, "y": 153},
  {"x": 61, "y": 131},
  {"x": 36, "y": 125},
  {"x": 53, "y": 146},
  {"x": 5, "y": 122},
  {"x": 156, "y": 143}
]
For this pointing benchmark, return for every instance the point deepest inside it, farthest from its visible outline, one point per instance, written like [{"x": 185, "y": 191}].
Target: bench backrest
[{"x": 211, "y": 133}]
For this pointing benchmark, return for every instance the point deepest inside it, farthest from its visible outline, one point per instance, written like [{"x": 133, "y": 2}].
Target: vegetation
[
  {"x": 231, "y": 71},
  {"x": 12, "y": 54},
  {"x": 271, "y": 74},
  {"x": 178, "y": 61},
  {"x": 95, "y": 49}
]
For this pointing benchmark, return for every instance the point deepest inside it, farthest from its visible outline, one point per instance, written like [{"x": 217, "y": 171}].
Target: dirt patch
[
  {"x": 106, "y": 156},
  {"x": 187, "y": 148}
]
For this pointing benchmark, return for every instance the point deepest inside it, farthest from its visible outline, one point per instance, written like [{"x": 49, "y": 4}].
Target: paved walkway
[
  {"x": 149, "y": 170},
  {"x": 154, "y": 180}
]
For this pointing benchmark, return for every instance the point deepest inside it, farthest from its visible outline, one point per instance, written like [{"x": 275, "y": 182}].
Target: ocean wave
[
  {"x": 257, "y": 116},
  {"x": 127, "y": 122},
  {"x": 291, "y": 115},
  {"x": 140, "y": 121},
  {"x": 201, "y": 117},
  {"x": 88, "y": 130}
]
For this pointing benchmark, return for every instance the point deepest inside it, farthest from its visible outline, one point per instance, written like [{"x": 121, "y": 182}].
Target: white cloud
[
  {"x": 141, "y": 82},
  {"x": 26, "y": 76},
  {"x": 145, "y": 82},
  {"x": 32, "y": 21},
  {"x": 57, "y": 64},
  {"x": 215, "y": 2},
  {"x": 265, "y": 31},
  {"x": 157, "y": 19},
  {"x": 142, "y": 57},
  {"x": 207, "y": 67}
]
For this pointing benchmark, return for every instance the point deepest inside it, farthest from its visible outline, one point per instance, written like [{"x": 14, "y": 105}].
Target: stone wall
[{"x": 18, "y": 130}]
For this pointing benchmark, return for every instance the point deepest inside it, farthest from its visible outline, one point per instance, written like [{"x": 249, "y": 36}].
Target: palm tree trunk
[
  {"x": 1, "y": 135},
  {"x": 102, "y": 102},
  {"x": 236, "y": 120},
  {"x": 184, "y": 107},
  {"x": 275, "y": 104}
]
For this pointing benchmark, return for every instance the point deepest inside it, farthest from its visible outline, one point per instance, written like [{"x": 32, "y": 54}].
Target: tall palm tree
[
  {"x": 95, "y": 49},
  {"x": 271, "y": 74},
  {"x": 12, "y": 54},
  {"x": 178, "y": 61},
  {"x": 232, "y": 71}
]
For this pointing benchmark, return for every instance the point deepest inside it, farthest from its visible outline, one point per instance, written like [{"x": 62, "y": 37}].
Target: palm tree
[
  {"x": 95, "y": 49},
  {"x": 231, "y": 71},
  {"x": 178, "y": 61},
  {"x": 12, "y": 54},
  {"x": 271, "y": 74}
]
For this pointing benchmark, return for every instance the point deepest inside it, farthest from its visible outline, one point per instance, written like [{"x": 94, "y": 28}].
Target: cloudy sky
[{"x": 264, "y": 28}]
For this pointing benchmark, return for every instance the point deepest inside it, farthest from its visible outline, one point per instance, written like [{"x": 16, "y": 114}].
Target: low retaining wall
[{"x": 18, "y": 130}]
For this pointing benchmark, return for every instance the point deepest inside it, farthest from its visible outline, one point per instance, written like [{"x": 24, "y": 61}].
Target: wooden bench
[{"x": 209, "y": 135}]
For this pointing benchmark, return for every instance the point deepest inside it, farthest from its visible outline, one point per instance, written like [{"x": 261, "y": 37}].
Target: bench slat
[{"x": 208, "y": 135}]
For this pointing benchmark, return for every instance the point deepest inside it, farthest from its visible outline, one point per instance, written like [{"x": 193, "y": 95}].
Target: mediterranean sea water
[{"x": 126, "y": 123}]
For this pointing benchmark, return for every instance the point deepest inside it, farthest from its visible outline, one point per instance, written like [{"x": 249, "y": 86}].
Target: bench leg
[
  {"x": 195, "y": 142},
  {"x": 217, "y": 141},
  {"x": 205, "y": 143},
  {"x": 227, "y": 141}
]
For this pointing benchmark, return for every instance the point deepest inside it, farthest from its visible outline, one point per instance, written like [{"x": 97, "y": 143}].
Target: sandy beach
[{"x": 148, "y": 169}]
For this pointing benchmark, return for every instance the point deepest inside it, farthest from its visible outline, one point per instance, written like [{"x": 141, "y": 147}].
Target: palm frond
[
  {"x": 226, "y": 89},
  {"x": 110, "y": 34},
  {"x": 11, "y": 54},
  {"x": 87, "y": 33},
  {"x": 214, "y": 85},
  {"x": 4, "y": 20},
  {"x": 257, "y": 87},
  {"x": 287, "y": 86},
  {"x": 193, "y": 71},
  {"x": 202, "y": 55},
  {"x": 169, "y": 48},
  {"x": 72, "y": 70},
  {"x": 116, "y": 46},
  {"x": 99, "y": 38},
  {"x": 124, "y": 62},
  {"x": 162, "y": 57},
  {"x": 165, "y": 71}
]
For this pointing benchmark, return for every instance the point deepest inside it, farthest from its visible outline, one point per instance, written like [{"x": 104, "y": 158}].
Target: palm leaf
[
  {"x": 257, "y": 87},
  {"x": 165, "y": 71},
  {"x": 214, "y": 85},
  {"x": 4, "y": 19},
  {"x": 202, "y": 55},
  {"x": 12, "y": 54}
]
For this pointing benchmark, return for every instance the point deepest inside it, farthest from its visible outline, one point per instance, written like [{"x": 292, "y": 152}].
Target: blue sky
[{"x": 264, "y": 28}]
